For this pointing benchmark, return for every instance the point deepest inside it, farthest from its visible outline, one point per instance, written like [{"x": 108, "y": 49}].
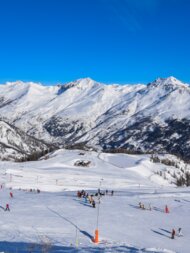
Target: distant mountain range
[{"x": 140, "y": 118}]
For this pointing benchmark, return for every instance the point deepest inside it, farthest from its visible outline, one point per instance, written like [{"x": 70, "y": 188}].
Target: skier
[
  {"x": 106, "y": 192},
  {"x": 93, "y": 204},
  {"x": 11, "y": 194},
  {"x": 166, "y": 209},
  {"x": 7, "y": 208},
  {"x": 90, "y": 199},
  {"x": 173, "y": 233},
  {"x": 79, "y": 194},
  {"x": 112, "y": 192},
  {"x": 82, "y": 193},
  {"x": 179, "y": 232},
  {"x": 86, "y": 199}
]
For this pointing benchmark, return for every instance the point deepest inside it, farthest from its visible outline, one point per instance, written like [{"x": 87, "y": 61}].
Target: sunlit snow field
[{"x": 58, "y": 221}]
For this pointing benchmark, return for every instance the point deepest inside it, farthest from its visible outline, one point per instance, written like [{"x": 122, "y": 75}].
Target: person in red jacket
[
  {"x": 166, "y": 209},
  {"x": 7, "y": 207},
  {"x": 173, "y": 233},
  {"x": 11, "y": 194}
]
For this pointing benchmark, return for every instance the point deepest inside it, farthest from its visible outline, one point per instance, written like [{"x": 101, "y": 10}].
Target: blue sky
[{"x": 112, "y": 41}]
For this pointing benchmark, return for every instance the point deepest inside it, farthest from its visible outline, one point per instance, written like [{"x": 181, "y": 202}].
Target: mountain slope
[
  {"x": 147, "y": 118},
  {"x": 16, "y": 145}
]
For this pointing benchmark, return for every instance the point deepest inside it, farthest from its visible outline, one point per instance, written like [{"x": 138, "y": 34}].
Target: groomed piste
[{"x": 54, "y": 219}]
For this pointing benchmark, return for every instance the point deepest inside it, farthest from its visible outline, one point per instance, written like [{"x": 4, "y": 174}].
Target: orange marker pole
[{"x": 96, "y": 239}]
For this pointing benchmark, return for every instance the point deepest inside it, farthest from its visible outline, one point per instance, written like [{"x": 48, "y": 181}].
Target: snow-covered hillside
[
  {"x": 146, "y": 118},
  {"x": 56, "y": 220},
  {"x": 16, "y": 145}
]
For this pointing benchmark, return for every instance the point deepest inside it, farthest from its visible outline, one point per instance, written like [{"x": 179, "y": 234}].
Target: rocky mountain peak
[{"x": 169, "y": 83}]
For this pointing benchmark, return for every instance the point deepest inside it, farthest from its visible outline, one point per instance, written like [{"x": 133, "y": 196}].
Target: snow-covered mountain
[
  {"x": 16, "y": 145},
  {"x": 135, "y": 117}
]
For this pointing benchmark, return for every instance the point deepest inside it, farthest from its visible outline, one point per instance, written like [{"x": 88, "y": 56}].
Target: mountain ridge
[{"x": 102, "y": 116}]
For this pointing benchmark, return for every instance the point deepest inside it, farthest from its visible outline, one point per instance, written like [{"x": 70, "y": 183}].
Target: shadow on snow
[{"x": 21, "y": 247}]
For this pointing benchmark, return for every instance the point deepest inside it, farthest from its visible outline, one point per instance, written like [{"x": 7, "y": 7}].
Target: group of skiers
[
  {"x": 142, "y": 206},
  {"x": 7, "y": 207},
  {"x": 89, "y": 197},
  {"x": 82, "y": 193},
  {"x": 166, "y": 210},
  {"x": 34, "y": 190},
  {"x": 30, "y": 190},
  {"x": 107, "y": 192}
]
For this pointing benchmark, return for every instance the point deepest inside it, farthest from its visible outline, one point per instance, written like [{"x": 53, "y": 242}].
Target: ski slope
[{"x": 58, "y": 221}]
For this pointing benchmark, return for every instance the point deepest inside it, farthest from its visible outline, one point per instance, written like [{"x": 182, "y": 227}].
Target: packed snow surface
[{"x": 56, "y": 220}]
